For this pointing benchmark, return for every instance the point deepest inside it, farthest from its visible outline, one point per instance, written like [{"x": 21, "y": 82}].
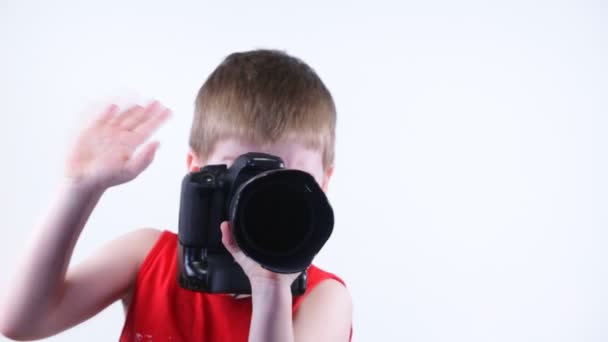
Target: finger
[
  {"x": 143, "y": 159},
  {"x": 107, "y": 115},
  {"x": 120, "y": 119},
  {"x": 139, "y": 117},
  {"x": 149, "y": 126},
  {"x": 228, "y": 239}
]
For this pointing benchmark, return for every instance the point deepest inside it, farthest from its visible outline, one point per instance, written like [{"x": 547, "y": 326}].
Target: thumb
[
  {"x": 143, "y": 159},
  {"x": 228, "y": 239}
]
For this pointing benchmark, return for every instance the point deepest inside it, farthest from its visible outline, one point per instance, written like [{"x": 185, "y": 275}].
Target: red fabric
[{"x": 161, "y": 310}]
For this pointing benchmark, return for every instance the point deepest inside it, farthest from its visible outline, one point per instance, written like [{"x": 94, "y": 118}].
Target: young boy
[{"x": 257, "y": 101}]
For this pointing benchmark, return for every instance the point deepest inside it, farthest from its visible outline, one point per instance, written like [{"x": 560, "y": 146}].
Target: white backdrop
[{"x": 470, "y": 188}]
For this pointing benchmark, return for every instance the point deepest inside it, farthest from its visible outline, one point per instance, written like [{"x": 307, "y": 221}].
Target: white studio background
[{"x": 470, "y": 188}]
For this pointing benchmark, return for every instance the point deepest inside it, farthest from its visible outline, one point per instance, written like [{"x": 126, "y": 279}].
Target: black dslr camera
[{"x": 279, "y": 217}]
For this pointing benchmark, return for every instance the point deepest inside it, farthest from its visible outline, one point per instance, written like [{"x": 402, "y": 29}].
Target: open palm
[{"x": 103, "y": 154}]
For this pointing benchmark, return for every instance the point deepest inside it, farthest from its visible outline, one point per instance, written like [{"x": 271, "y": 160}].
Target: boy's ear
[
  {"x": 192, "y": 162},
  {"x": 327, "y": 177}
]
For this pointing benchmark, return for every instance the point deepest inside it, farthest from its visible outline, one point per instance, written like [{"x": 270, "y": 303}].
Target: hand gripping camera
[{"x": 279, "y": 217}]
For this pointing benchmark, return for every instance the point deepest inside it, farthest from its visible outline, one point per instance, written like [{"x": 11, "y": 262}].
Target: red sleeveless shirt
[{"x": 160, "y": 310}]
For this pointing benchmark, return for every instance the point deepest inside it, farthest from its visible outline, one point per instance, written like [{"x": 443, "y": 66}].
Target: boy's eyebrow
[{"x": 228, "y": 158}]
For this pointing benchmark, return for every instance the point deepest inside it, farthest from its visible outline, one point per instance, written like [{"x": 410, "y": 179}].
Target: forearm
[
  {"x": 272, "y": 312},
  {"x": 39, "y": 276}
]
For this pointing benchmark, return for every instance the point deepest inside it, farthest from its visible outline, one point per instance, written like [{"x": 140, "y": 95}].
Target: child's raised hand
[{"x": 103, "y": 154}]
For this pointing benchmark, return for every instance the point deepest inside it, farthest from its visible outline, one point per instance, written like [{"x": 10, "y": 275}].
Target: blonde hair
[{"x": 264, "y": 96}]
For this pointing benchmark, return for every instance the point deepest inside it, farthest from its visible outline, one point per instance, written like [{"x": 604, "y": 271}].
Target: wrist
[
  {"x": 271, "y": 315},
  {"x": 82, "y": 183},
  {"x": 81, "y": 186},
  {"x": 273, "y": 287}
]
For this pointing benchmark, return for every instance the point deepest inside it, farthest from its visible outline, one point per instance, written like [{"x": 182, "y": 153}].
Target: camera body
[{"x": 279, "y": 217}]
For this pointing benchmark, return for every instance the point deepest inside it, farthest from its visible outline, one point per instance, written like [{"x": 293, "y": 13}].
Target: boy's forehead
[
  {"x": 292, "y": 152},
  {"x": 231, "y": 146},
  {"x": 295, "y": 155}
]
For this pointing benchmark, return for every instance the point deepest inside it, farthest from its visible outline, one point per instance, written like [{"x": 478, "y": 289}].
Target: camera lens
[
  {"x": 281, "y": 219},
  {"x": 277, "y": 219}
]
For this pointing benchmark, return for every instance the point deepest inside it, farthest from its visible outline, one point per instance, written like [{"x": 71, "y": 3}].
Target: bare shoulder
[
  {"x": 328, "y": 292},
  {"x": 139, "y": 242},
  {"x": 120, "y": 256},
  {"x": 132, "y": 247},
  {"x": 325, "y": 314}
]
